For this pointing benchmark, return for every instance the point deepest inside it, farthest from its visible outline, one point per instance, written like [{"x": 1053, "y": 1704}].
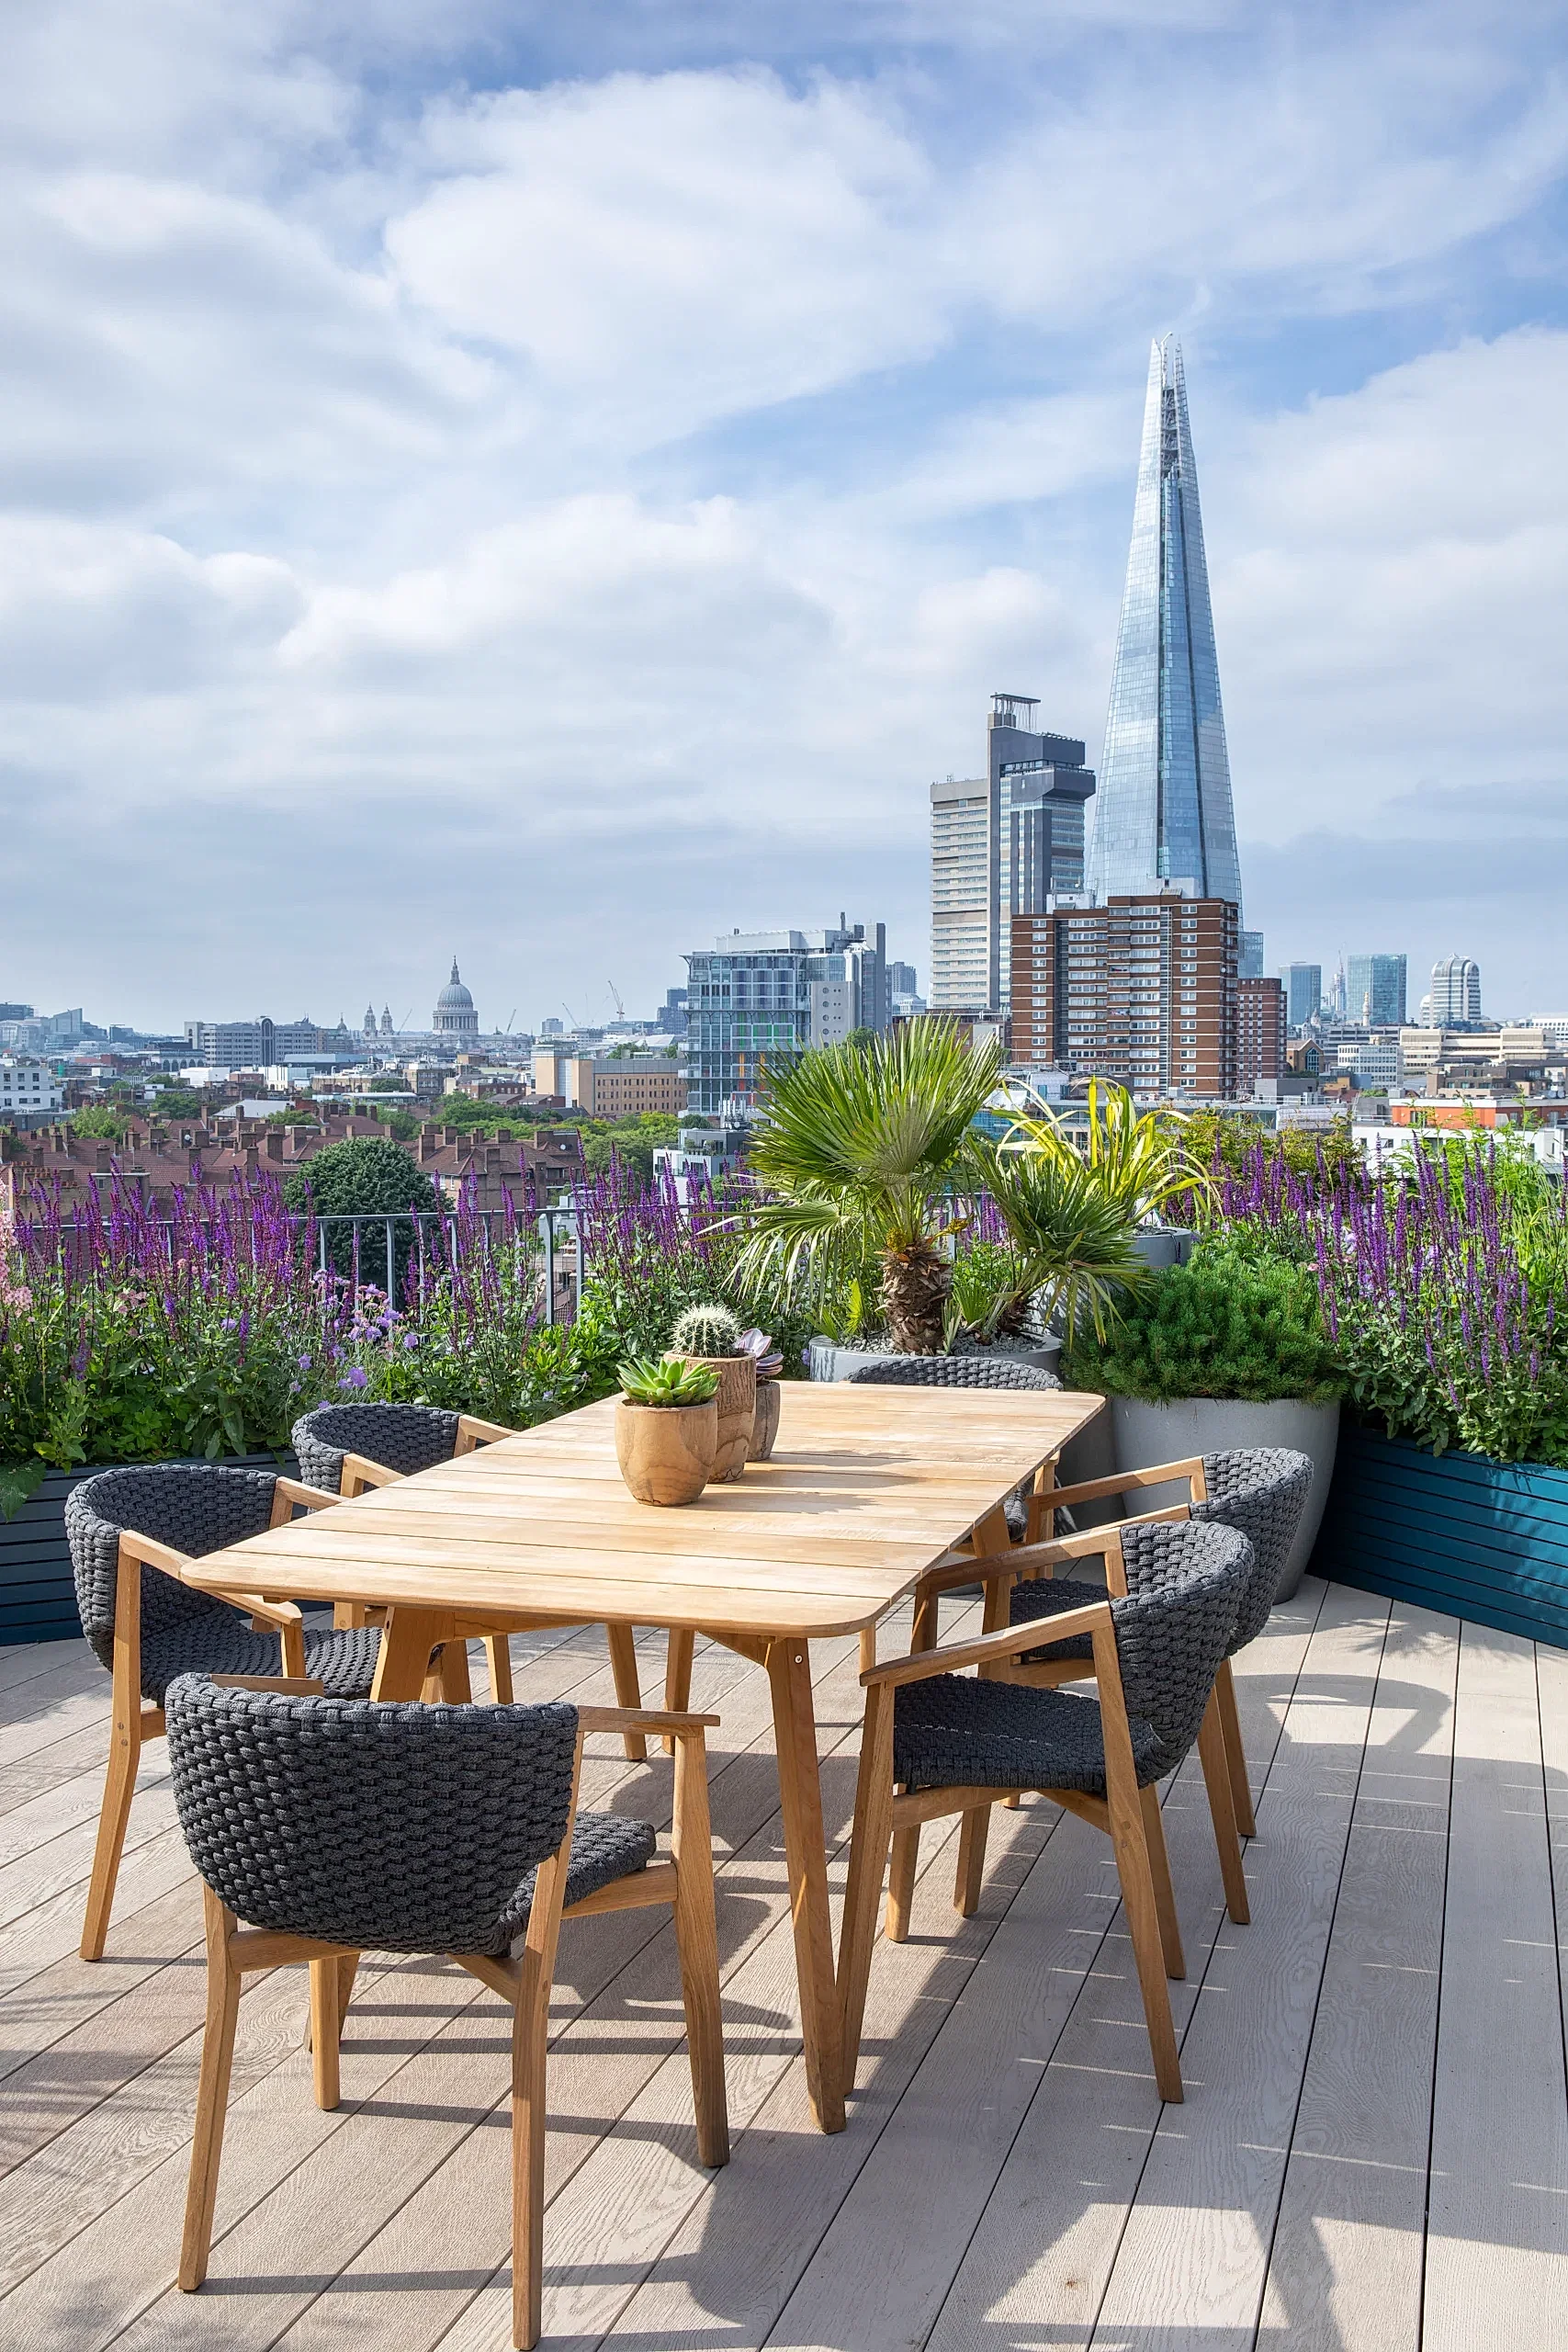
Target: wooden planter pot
[
  {"x": 37, "y": 1596},
  {"x": 1482, "y": 1540},
  {"x": 765, "y": 1422},
  {"x": 736, "y": 1403},
  {"x": 666, "y": 1452}
]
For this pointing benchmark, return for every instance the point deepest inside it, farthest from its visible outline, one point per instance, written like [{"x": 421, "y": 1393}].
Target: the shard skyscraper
[{"x": 1163, "y": 807}]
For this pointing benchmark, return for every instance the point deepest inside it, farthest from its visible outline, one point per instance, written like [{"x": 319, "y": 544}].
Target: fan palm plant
[
  {"x": 857, "y": 1148},
  {"x": 1137, "y": 1159},
  {"x": 1071, "y": 1247}
]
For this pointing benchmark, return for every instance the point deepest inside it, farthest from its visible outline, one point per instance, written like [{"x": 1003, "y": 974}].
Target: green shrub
[
  {"x": 1226, "y": 1324},
  {"x": 364, "y": 1176}
]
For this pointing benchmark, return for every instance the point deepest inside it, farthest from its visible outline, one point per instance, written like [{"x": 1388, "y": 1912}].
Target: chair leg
[
  {"x": 1235, "y": 1753},
  {"x": 326, "y": 2027},
  {"x": 1143, "y": 1922},
  {"x": 901, "y": 1873},
  {"x": 212, "y": 2094},
  {"x": 1165, "y": 1894},
  {"x": 971, "y": 1861},
  {"x": 1217, "y": 1780},
  {"x": 498, "y": 1654},
  {"x": 457, "y": 1685},
  {"x": 529, "y": 2031},
  {"x": 629, "y": 1691},
  {"x": 868, "y": 1859},
  {"x": 678, "y": 1675},
  {"x": 696, "y": 1942},
  {"x": 119, "y": 1785}
]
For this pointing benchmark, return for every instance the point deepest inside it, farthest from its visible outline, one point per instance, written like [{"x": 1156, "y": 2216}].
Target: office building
[
  {"x": 1302, "y": 984},
  {"x": 1141, "y": 990},
  {"x": 1249, "y": 956},
  {"x": 1260, "y": 1030},
  {"x": 29, "y": 1089},
  {"x": 454, "y": 1015},
  {"x": 1164, "y": 808},
  {"x": 253, "y": 1045},
  {"x": 1002, "y": 844},
  {"x": 1374, "y": 991},
  {"x": 902, "y": 979},
  {"x": 766, "y": 994},
  {"x": 622, "y": 1086},
  {"x": 1456, "y": 992}
]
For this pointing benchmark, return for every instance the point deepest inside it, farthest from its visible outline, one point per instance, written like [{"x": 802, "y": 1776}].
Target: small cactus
[{"x": 707, "y": 1331}]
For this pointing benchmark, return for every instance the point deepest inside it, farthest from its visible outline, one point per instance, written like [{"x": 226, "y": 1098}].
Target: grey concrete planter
[{"x": 1147, "y": 1435}]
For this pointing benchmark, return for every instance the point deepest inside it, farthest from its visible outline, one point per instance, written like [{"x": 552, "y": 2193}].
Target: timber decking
[{"x": 1372, "y": 2155}]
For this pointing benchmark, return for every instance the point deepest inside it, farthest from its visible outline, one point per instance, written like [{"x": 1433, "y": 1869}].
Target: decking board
[{"x": 1007, "y": 2177}]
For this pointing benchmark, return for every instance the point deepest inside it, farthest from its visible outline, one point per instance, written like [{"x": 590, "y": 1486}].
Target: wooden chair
[
  {"x": 133, "y": 1536},
  {"x": 467, "y": 1841},
  {"x": 937, "y": 1741},
  {"x": 348, "y": 1448}
]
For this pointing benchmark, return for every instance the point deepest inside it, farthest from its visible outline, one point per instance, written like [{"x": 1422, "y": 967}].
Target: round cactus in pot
[{"x": 709, "y": 1333}]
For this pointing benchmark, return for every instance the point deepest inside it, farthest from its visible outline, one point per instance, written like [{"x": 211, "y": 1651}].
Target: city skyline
[{"x": 382, "y": 571}]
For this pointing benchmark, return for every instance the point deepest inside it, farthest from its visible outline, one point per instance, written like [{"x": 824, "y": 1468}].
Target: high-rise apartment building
[
  {"x": 1374, "y": 991},
  {"x": 1002, "y": 844},
  {"x": 1250, "y": 955},
  {"x": 1141, "y": 990},
  {"x": 1259, "y": 1031},
  {"x": 1456, "y": 992},
  {"x": 762, "y": 994},
  {"x": 1302, "y": 984},
  {"x": 1163, "y": 811}
]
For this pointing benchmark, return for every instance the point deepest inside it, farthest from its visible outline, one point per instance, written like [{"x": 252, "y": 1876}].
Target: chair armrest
[
  {"x": 271, "y": 1612},
  {"x": 147, "y": 1552},
  {"x": 301, "y": 1685},
  {"x": 988, "y": 1649},
  {"x": 482, "y": 1432},
  {"x": 1028, "y": 1559},
  {"x": 1092, "y": 1489},
  {"x": 362, "y": 1473},
  {"x": 974, "y": 1567},
  {"x": 312, "y": 1498},
  {"x": 669, "y": 1724}
]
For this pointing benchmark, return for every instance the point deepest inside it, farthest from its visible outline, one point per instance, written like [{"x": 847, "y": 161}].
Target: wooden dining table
[{"x": 867, "y": 1489}]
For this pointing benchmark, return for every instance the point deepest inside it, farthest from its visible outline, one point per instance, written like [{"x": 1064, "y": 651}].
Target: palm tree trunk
[{"x": 915, "y": 1286}]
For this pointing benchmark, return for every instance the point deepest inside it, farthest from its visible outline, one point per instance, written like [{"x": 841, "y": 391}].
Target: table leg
[
  {"x": 800, "y": 1795},
  {"x": 407, "y": 1639}
]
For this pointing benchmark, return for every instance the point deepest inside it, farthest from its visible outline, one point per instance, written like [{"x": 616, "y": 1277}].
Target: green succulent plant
[
  {"x": 671, "y": 1381},
  {"x": 707, "y": 1330}
]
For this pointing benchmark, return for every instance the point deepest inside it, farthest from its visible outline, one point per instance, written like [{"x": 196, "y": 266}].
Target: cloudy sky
[{"x": 551, "y": 482}]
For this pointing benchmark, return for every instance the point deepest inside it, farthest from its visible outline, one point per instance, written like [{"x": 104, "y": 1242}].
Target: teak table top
[{"x": 867, "y": 1487}]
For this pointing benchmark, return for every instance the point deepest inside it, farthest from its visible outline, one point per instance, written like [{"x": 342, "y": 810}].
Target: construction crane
[
  {"x": 511, "y": 1021},
  {"x": 570, "y": 1014},
  {"x": 620, "y": 1008}
]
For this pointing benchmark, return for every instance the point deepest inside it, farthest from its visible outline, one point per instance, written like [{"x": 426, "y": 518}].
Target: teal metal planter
[
  {"x": 1482, "y": 1540},
  {"x": 37, "y": 1596}
]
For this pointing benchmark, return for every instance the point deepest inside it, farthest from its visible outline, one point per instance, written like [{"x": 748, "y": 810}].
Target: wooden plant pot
[
  {"x": 765, "y": 1425},
  {"x": 666, "y": 1452},
  {"x": 736, "y": 1403}
]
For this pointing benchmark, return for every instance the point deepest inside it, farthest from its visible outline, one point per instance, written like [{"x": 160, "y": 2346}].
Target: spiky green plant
[
  {"x": 1139, "y": 1161},
  {"x": 667, "y": 1381},
  {"x": 856, "y": 1151},
  {"x": 707, "y": 1330},
  {"x": 1071, "y": 1244}
]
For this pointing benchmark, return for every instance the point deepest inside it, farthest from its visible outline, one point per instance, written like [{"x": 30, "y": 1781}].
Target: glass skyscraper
[{"x": 1163, "y": 812}]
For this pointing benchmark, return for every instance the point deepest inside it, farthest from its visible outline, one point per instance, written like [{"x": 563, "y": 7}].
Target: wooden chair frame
[
  {"x": 1129, "y": 1816},
  {"x": 449, "y": 1671},
  {"x": 132, "y": 1722},
  {"x": 685, "y": 1880}
]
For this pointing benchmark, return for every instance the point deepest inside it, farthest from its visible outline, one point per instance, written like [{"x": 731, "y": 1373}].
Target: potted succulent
[
  {"x": 666, "y": 1428},
  {"x": 710, "y": 1335},
  {"x": 1228, "y": 1350},
  {"x": 769, "y": 1360}
]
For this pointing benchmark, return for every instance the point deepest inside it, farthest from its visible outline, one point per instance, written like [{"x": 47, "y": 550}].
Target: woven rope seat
[
  {"x": 1261, "y": 1491},
  {"x": 1171, "y": 1635},
  {"x": 195, "y": 1508},
  {"x": 405, "y": 1438},
  {"x": 388, "y": 1828},
  {"x": 955, "y": 1372}
]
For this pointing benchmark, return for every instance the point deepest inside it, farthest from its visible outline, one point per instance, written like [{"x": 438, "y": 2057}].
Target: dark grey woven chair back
[
  {"x": 955, "y": 1372},
  {"x": 1185, "y": 1585},
  {"x": 404, "y": 1438},
  {"x": 385, "y": 1828},
  {"x": 195, "y": 1507},
  {"x": 1261, "y": 1490}
]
